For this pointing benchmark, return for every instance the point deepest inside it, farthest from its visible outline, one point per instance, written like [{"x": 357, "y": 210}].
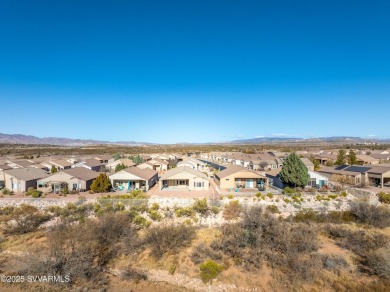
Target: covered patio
[
  {"x": 178, "y": 184},
  {"x": 250, "y": 183},
  {"x": 129, "y": 185}
]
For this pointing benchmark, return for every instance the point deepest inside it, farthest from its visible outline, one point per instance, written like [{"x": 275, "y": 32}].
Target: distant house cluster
[{"x": 197, "y": 172}]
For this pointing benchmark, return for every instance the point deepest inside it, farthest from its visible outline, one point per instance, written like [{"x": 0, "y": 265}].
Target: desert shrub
[
  {"x": 65, "y": 191},
  {"x": 209, "y": 270},
  {"x": 378, "y": 216},
  {"x": 6, "y": 191},
  {"x": 71, "y": 212},
  {"x": 7, "y": 210},
  {"x": 258, "y": 195},
  {"x": 270, "y": 195},
  {"x": 378, "y": 262},
  {"x": 273, "y": 209},
  {"x": 202, "y": 252},
  {"x": 24, "y": 219},
  {"x": 168, "y": 238},
  {"x": 155, "y": 207},
  {"x": 359, "y": 241},
  {"x": 215, "y": 210},
  {"x": 230, "y": 196},
  {"x": 80, "y": 251},
  {"x": 288, "y": 190},
  {"x": 141, "y": 222},
  {"x": 308, "y": 215},
  {"x": 200, "y": 206},
  {"x": 133, "y": 274},
  {"x": 260, "y": 236},
  {"x": 304, "y": 268},
  {"x": 155, "y": 216},
  {"x": 33, "y": 192},
  {"x": 36, "y": 194},
  {"x": 184, "y": 212},
  {"x": 232, "y": 210},
  {"x": 384, "y": 198},
  {"x": 334, "y": 262}
]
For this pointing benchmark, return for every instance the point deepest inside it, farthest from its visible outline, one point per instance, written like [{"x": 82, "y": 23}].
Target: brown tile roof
[
  {"x": 82, "y": 173},
  {"x": 92, "y": 162},
  {"x": 61, "y": 162},
  {"x": 27, "y": 174},
  {"x": 379, "y": 169},
  {"x": 366, "y": 158},
  {"x": 235, "y": 168},
  {"x": 159, "y": 161},
  {"x": 332, "y": 170},
  {"x": 146, "y": 173},
  {"x": 307, "y": 161},
  {"x": 180, "y": 169}
]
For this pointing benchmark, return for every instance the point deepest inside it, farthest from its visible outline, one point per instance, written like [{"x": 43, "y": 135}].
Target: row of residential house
[
  {"x": 74, "y": 172},
  {"x": 373, "y": 165}
]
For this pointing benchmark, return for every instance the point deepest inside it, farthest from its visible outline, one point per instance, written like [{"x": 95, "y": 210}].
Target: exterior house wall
[
  {"x": 188, "y": 177},
  {"x": 62, "y": 177},
  {"x": 13, "y": 184},
  {"x": 125, "y": 176},
  {"x": 230, "y": 181}
]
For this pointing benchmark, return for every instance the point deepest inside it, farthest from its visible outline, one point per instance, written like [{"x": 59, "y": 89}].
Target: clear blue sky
[{"x": 194, "y": 71}]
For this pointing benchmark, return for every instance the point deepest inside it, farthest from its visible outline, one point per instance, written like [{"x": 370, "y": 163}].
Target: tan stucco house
[
  {"x": 185, "y": 178},
  {"x": 125, "y": 161},
  {"x": 239, "y": 177},
  {"x": 20, "y": 179},
  {"x": 134, "y": 178},
  {"x": 74, "y": 179}
]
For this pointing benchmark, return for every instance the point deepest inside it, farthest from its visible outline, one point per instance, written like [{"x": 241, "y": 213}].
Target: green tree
[
  {"x": 341, "y": 157},
  {"x": 101, "y": 184},
  {"x": 119, "y": 167},
  {"x": 53, "y": 169},
  {"x": 137, "y": 159},
  {"x": 315, "y": 162},
  {"x": 117, "y": 157},
  {"x": 352, "y": 157},
  {"x": 294, "y": 172}
]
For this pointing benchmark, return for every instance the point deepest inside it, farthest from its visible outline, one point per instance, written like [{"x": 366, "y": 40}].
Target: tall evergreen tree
[
  {"x": 101, "y": 184},
  {"x": 341, "y": 157},
  {"x": 352, "y": 157},
  {"x": 119, "y": 167},
  {"x": 294, "y": 172},
  {"x": 53, "y": 169}
]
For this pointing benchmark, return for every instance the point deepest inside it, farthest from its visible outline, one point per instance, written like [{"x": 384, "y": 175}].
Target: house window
[
  {"x": 313, "y": 182},
  {"x": 181, "y": 182},
  {"x": 198, "y": 184},
  {"x": 74, "y": 187}
]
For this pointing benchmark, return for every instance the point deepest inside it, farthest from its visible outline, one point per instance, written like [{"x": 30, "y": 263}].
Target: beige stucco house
[
  {"x": 74, "y": 179},
  {"x": 194, "y": 164},
  {"x": 20, "y": 179},
  {"x": 156, "y": 164},
  {"x": 125, "y": 161},
  {"x": 239, "y": 177},
  {"x": 134, "y": 178},
  {"x": 185, "y": 178}
]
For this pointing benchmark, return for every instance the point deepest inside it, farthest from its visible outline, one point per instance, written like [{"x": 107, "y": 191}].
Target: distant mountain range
[
  {"x": 27, "y": 139},
  {"x": 335, "y": 139}
]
